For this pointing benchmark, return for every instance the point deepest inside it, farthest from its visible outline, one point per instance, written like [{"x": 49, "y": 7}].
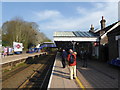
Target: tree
[{"x": 18, "y": 30}]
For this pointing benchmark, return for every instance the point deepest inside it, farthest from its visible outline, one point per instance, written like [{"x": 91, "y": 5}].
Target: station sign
[
  {"x": 117, "y": 37},
  {"x": 18, "y": 47}
]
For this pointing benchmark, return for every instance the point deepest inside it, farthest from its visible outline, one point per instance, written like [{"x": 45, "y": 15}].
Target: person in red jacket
[{"x": 72, "y": 65}]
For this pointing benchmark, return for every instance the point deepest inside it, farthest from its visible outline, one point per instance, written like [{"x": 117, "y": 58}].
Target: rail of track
[
  {"x": 7, "y": 75},
  {"x": 40, "y": 78}
]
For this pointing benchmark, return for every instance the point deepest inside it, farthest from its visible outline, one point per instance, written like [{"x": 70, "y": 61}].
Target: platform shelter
[{"x": 77, "y": 40}]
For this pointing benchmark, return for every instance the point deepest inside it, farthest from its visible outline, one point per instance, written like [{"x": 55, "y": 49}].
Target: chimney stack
[
  {"x": 102, "y": 23},
  {"x": 92, "y": 28}
]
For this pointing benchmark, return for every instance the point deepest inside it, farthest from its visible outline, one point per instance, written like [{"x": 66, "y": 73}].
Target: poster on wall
[{"x": 18, "y": 47}]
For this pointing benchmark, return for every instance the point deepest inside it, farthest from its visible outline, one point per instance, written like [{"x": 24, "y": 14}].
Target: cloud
[
  {"x": 88, "y": 10},
  {"x": 81, "y": 10},
  {"x": 108, "y": 10},
  {"x": 119, "y": 10},
  {"x": 99, "y": 5},
  {"x": 48, "y": 15},
  {"x": 82, "y": 21}
]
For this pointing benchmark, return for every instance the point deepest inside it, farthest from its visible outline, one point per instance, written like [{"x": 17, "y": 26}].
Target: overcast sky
[{"x": 62, "y": 16}]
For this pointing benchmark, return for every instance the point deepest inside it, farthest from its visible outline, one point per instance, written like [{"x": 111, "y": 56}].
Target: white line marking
[{"x": 52, "y": 74}]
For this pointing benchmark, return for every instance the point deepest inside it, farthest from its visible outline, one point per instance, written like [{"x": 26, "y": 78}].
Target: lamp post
[{"x": 73, "y": 43}]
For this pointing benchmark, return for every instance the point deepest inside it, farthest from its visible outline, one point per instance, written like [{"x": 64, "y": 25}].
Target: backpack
[{"x": 71, "y": 61}]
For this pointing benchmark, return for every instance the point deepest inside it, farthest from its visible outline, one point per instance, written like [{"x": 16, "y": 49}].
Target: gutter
[{"x": 104, "y": 35}]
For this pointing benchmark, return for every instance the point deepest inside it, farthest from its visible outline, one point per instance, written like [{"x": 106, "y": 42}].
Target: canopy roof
[
  {"x": 75, "y": 36},
  {"x": 64, "y": 34},
  {"x": 83, "y": 34}
]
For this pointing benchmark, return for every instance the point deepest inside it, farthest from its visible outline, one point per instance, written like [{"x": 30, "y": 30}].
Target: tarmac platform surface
[
  {"x": 97, "y": 75},
  {"x": 60, "y": 76}
]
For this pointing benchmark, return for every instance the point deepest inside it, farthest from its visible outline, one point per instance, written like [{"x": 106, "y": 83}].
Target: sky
[
  {"x": 119, "y": 10},
  {"x": 61, "y": 16}
]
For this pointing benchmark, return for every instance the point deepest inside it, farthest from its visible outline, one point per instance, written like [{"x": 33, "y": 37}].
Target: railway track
[
  {"x": 29, "y": 76},
  {"x": 7, "y": 75},
  {"x": 39, "y": 79}
]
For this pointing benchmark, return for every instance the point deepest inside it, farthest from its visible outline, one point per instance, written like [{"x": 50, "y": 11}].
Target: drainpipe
[
  {"x": 99, "y": 48},
  {"x": 73, "y": 43}
]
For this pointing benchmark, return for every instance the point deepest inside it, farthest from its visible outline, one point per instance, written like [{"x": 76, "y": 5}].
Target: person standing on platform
[
  {"x": 5, "y": 51},
  {"x": 85, "y": 56},
  {"x": 64, "y": 57},
  {"x": 72, "y": 63}
]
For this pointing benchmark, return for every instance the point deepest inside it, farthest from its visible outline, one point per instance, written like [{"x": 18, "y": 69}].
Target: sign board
[
  {"x": 17, "y": 46},
  {"x": 117, "y": 37}
]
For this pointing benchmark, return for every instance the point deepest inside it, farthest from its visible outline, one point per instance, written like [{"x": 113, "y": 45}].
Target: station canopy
[{"x": 77, "y": 36}]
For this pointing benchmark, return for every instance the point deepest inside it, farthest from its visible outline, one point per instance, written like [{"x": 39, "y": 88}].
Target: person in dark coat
[
  {"x": 64, "y": 57},
  {"x": 85, "y": 57}
]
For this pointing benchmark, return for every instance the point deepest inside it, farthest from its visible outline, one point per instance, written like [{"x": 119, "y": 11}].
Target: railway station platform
[
  {"x": 60, "y": 76},
  {"x": 13, "y": 58},
  {"x": 96, "y": 76},
  {"x": 99, "y": 75},
  {"x": 9, "y": 62}
]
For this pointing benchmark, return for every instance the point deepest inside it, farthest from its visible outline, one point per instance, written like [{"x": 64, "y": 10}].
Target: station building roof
[
  {"x": 64, "y": 34},
  {"x": 84, "y": 34},
  {"x": 74, "y": 36}
]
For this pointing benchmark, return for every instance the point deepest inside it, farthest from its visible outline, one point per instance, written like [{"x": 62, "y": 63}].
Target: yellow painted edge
[{"x": 80, "y": 84}]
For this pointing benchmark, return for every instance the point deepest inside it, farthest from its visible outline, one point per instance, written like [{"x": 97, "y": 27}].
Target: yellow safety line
[{"x": 80, "y": 84}]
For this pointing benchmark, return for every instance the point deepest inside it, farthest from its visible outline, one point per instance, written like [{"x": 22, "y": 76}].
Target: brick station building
[{"x": 97, "y": 42}]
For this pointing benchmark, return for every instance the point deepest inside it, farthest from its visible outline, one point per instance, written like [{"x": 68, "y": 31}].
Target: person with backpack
[
  {"x": 64, "y": 57},
  {"x": 72, "y": 63}
]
